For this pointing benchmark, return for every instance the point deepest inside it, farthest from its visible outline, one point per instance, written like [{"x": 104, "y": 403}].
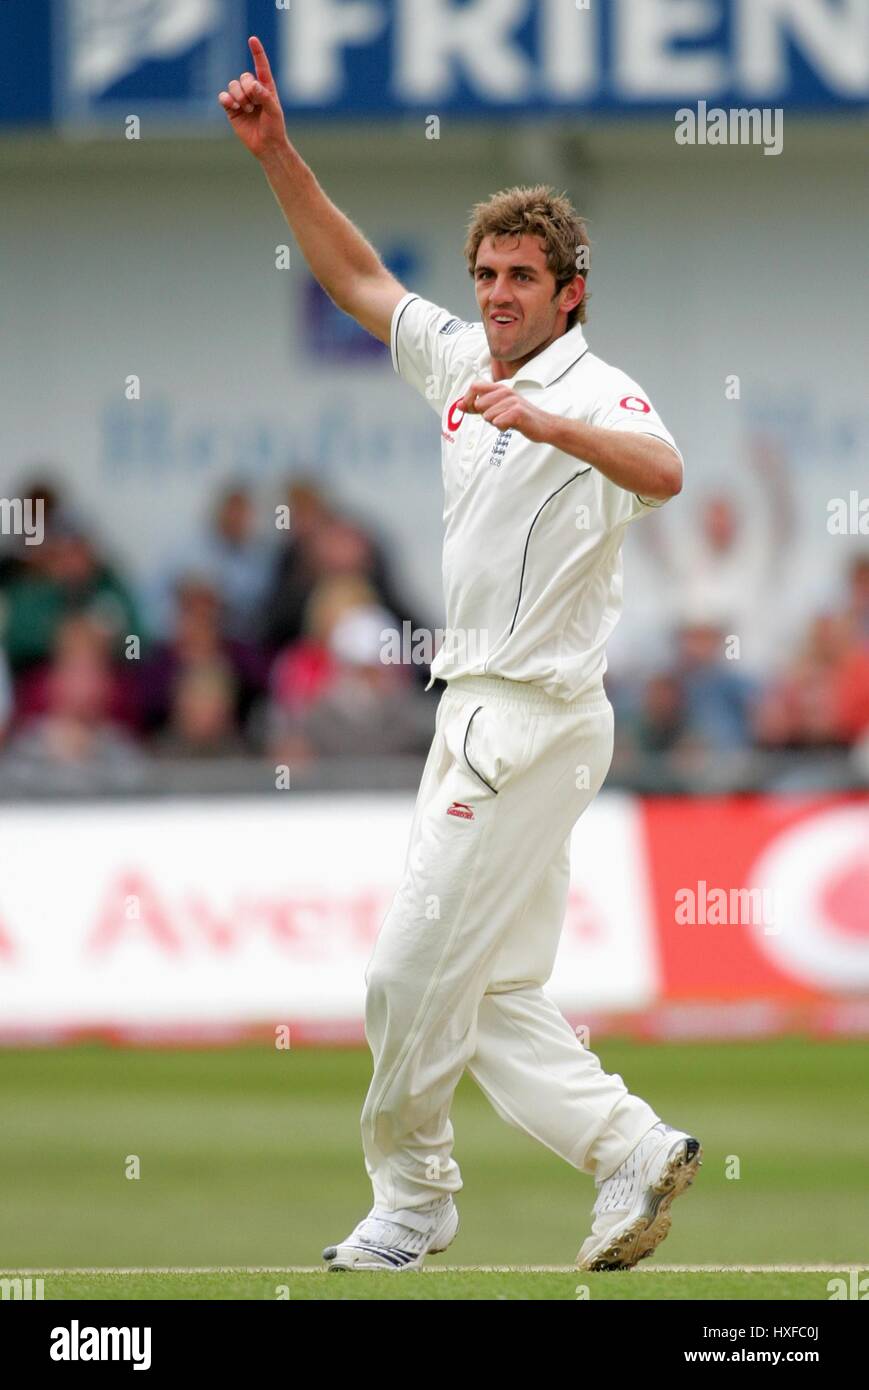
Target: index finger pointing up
[{"x": 261, "y": 63}]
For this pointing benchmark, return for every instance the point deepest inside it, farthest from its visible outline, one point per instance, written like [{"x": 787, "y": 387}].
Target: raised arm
[{"x": 346, "y": 265}]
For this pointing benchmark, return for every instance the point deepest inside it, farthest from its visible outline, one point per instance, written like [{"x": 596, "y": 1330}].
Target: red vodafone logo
[
  {"x": 817, "y": 873},
  {"x": 456, "y": 415},
  {"x": 635, "y": 403}
]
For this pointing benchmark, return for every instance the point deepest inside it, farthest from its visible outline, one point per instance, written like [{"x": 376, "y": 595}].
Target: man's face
[{"x": 515, "y": 290}]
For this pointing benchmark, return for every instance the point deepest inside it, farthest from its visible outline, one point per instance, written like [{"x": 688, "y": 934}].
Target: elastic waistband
[{"x": 494, "y": 688}]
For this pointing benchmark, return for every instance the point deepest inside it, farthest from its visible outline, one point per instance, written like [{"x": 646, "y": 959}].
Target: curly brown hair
[{"x": 541, "y": 212}]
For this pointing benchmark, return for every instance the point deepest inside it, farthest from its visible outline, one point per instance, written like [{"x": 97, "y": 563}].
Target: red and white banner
[
  {"x": 208, "y": 920},
  {"x": 804, "y": 934}
]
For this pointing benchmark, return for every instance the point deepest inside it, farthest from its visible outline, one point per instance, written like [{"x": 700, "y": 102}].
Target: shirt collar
[{"x": 549, "y": 365}]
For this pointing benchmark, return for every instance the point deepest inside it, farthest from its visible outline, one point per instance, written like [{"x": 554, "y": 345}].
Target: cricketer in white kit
[{"x": 548, "y": 453}]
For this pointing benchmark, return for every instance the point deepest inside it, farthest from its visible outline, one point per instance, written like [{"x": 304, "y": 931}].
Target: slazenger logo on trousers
[
  {"x": 76, "y": 1343},
  {"x": 459, "y": 808}
]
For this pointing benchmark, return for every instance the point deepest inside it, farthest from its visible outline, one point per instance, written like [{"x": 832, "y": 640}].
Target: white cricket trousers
[{"x": 455, "y": 980}]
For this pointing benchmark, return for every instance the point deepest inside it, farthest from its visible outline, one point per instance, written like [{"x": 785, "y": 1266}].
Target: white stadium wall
[{"x": 158, "y": 260}]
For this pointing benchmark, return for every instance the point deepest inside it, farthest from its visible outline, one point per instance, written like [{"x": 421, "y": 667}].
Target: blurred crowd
[
  {"x": 260, "y": 639},
  {"x": 263, "y": 640},
  {"x": 737, "y": 679}
]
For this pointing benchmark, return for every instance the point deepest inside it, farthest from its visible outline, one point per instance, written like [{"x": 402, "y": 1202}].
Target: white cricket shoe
[
  {"x": 397, "y": 1239},
  {"x": 632, "y": 1210}
]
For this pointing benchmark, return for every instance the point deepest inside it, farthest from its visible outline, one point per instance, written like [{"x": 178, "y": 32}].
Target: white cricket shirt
[{"x": 532, "y": 566}]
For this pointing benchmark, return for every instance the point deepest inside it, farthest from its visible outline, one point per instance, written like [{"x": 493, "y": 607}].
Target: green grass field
[
  {"x": 436, "y": 1283},
  {"x": 250, "y": 1164}
]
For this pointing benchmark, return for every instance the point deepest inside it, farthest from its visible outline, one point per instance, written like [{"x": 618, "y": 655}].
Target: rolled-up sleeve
[{"x": 629, "y": 408}]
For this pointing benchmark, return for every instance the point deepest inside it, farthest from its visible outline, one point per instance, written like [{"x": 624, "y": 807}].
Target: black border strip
[
  {"x": 465, "y": 753},
  {"x": 397, "y": 327},
  {"x": 657, "y": 502},
  {"x": 571, "y": 367},
  {"x": 581, "y": 474},
  {"x": 547, "y": 385}
]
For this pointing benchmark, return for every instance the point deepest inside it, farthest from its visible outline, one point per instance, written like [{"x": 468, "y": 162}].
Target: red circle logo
[
  {"x": 456, "y": 406},
  {"x": 635, "y": 403}
]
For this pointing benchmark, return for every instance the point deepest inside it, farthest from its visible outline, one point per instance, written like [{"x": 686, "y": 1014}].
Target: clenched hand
[{"x": 507, "y": 410}]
